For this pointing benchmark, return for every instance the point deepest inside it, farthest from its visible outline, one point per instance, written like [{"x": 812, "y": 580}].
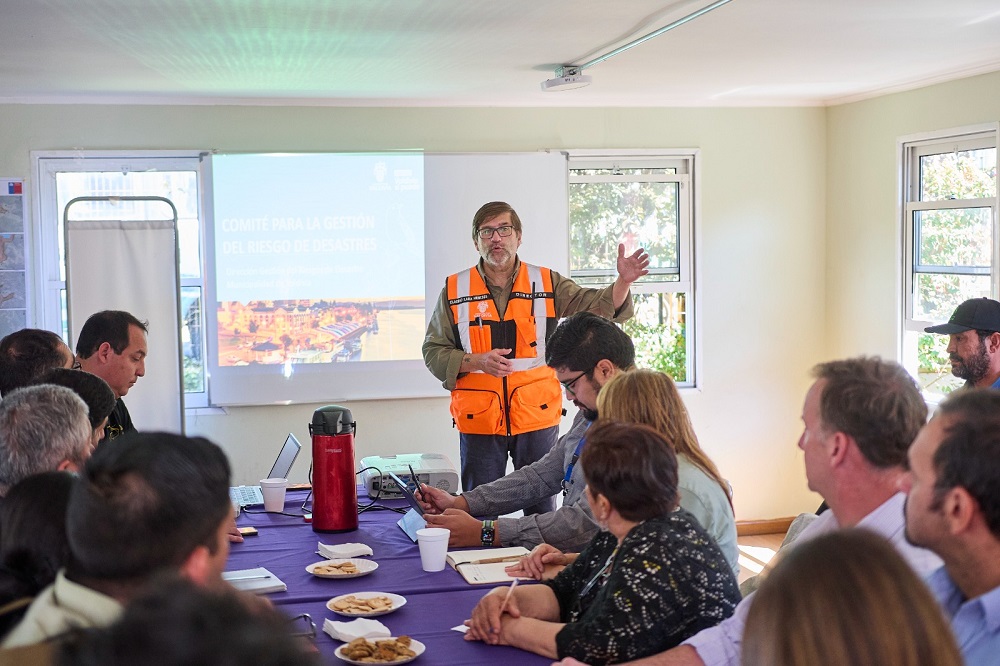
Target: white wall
[
  {"x": 761, "y": 257},
  {"x": 863, "y": 234}
]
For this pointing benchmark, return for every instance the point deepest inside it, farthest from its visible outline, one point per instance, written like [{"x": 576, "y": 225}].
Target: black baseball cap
[{"x": 982, "y": 314}]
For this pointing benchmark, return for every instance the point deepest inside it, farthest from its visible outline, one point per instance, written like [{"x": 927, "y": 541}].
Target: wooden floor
[{"x": 756, "y": 551}]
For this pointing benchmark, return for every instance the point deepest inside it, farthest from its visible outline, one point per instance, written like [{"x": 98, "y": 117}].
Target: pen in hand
[
  {"x": 416, "y": 483},
  {"x": 506, "y": 597}
]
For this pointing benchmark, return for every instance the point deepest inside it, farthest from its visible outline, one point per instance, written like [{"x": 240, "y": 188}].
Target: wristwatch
[{"x": 489, "y": 533}]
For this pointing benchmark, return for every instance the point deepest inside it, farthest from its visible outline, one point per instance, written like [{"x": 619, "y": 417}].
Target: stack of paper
[{"x": 258, "y": 581}]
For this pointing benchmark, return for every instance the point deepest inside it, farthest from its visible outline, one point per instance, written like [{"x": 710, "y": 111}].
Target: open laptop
[
  {"x": 413, "y": 519},
  {"x": 251, "y": 495}
]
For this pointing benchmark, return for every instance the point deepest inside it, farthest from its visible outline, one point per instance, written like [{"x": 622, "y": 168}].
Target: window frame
[
  {"x": 48, "y": 281},
  {"x": 687, "y": 163},
  {"x": 911, "y": 149}
]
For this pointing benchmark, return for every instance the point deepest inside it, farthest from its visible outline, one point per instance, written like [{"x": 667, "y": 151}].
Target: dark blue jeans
[{"x": 484, "y": 458}]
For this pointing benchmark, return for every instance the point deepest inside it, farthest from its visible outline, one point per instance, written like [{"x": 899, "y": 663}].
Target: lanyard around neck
[{"x": 567, "y": 481}]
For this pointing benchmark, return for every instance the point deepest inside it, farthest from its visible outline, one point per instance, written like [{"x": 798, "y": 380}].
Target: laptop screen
[{"x": 286, "y": 458}]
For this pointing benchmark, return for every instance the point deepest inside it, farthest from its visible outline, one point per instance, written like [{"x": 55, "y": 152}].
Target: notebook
[
  {"x": 413, "y": 519},
  {"x": 485, "y": 566},
  {"x": 251, "y": 495}
]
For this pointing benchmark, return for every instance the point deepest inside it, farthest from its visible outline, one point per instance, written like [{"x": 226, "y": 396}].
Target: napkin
[
  {"x": 359, "y": 628},
  {"x": 343, "y": 550}
]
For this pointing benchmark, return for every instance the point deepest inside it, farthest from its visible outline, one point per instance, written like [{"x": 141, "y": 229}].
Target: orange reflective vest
[{"x": 528, "y": 399}]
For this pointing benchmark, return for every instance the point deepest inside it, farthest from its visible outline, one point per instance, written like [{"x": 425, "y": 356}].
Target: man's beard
[
  {"x": 973, "y": 368},
  {"x": 589, "y": 414},
  {"x": 910, "y": 533},
  {"x": 501, "y": 261}
]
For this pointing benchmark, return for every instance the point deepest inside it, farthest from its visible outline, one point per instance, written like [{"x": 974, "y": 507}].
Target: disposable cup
[
  {"x": 273, "y": 491},
  {"x": 433, "y": 542}
]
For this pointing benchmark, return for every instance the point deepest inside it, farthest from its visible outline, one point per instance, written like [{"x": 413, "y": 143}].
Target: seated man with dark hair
[
  {"x": 585, "y": 351},
  {"x": 28, "y": 354},
  {"x": 112, "y": 345},
  {"x": 93, "y": 390},
  {"x": 953, "y": 508},
  {"x": 974, "y": 342},
  {"x": 145, "y": 504}
]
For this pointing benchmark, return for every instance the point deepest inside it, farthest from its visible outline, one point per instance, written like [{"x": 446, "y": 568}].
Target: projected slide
[{"x": 319, "y": 258}]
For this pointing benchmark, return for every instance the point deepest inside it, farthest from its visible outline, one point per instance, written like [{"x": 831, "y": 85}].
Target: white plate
[
  {"x": 365, "y": 567},
  {"x": 397, "y": 603},
  {"x": 415, "y": 645}
]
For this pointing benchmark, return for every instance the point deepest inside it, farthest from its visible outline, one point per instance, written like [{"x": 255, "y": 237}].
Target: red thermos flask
[{"x": 335, "y": 490}]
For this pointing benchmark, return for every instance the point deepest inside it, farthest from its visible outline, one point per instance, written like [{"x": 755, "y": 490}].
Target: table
[{"x": 435, "y": 602}]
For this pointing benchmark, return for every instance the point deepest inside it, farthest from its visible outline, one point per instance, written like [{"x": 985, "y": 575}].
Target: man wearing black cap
[{"x": 974, "y": 342}]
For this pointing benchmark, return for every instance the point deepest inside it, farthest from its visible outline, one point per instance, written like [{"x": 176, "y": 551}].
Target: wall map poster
[{"x": 13, "y": 285}]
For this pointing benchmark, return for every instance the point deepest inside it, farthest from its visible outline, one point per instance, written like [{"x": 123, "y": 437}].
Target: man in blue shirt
[
  {"x": 974, "y": 342},
  {"x": 953, "y": 508}
]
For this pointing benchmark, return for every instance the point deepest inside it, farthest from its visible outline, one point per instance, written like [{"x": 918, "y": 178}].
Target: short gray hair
[{"x": 40, "y": 427}]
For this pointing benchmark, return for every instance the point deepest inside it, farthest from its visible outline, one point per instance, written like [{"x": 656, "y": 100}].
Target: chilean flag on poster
[{"x": 14, "y": 187}]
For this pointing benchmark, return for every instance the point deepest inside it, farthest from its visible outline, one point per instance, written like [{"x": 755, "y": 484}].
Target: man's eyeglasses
[
  {"x": 486, "y": 233},
  {"x": 302, "y": 626},
  {"x": 569, "y": 385}
]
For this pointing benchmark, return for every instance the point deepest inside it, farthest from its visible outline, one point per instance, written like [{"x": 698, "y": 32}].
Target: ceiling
[{"x": 486, "y": 53}]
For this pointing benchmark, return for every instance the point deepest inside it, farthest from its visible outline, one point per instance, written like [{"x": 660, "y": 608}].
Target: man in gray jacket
[{"x": 586, "y": 351}]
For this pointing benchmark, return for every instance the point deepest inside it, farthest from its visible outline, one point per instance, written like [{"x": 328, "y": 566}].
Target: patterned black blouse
[{"x": 666, "y": 582}]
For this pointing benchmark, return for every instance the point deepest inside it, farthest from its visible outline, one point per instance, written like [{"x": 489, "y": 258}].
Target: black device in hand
[{"x": 416, "y": 483}]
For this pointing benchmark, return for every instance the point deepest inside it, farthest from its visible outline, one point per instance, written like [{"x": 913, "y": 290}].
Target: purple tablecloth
[{"x": 435, "y": 602}]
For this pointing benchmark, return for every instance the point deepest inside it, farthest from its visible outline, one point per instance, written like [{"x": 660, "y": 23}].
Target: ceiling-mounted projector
[{"x": 567, "y": 78}]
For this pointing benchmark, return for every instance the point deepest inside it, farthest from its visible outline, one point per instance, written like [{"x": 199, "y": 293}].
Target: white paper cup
[
  {"x": 433, "y": 542},
  {"x": 273, "y": 491}
]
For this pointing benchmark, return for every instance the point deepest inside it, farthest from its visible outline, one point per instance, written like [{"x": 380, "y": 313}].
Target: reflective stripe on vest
[
  {"x": 471, "y": 302},
  {"x": 531, "y": 394}
]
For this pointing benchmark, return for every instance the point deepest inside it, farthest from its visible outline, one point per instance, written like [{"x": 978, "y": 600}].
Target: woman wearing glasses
[{"x": 650, "y": 579}]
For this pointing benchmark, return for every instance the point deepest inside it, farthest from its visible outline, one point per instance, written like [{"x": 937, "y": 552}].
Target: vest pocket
[
  {"x": 527, "y": 338},
  {"x": 535, "y": 406},
  {"x": 477, "y": 412}
]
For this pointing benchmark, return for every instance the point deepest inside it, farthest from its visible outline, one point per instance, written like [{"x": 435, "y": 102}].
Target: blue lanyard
[{"x": 566, "y": 482}]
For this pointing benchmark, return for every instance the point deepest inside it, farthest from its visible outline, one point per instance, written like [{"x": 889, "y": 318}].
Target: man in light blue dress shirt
[{"x": 953, "y": 508}]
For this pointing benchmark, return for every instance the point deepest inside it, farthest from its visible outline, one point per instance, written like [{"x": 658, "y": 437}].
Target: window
[
  {"x": 63, "y": 177},
  {"x": 642, "y": 201},
  {"x": 950, "y": 232}
]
